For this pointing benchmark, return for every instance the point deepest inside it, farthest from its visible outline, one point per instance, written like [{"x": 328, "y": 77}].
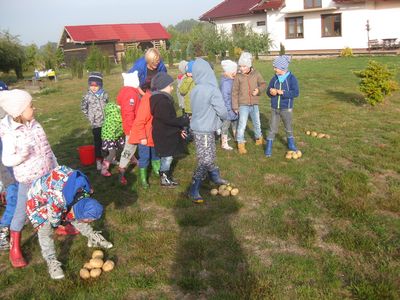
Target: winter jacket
[
  {"x": 51, "y": 195},
  {"x": 167, "y": 126},
  {"x": 185, "y": 89},
  {"x": 290, "y": 88},
  {"x": 207, "y": 104},
  {"x": 141, "y": 66},
  {"x": 112, "y": 125},
  {"x": 26, "y": 149},
  {"x": 128, "y": 100},
  {"x": 142, "y": 126},
  {"x": 244, "y": 85},
  {"x": 226, "y": 90},
  {"x": 92, "y": 106}
]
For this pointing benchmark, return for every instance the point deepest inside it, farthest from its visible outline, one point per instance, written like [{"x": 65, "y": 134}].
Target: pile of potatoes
[
  {"x": 96, "y": 266},
  {"x": 318, "y": 135},
  {"x": 225, "y": 190},
  {"x": 293, "y": 154}
]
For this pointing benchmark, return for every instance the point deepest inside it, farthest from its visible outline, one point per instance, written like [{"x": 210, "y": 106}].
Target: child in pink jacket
[{"x": 27, "y": 150}]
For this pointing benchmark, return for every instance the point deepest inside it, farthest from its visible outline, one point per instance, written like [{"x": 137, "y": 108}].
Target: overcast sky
[{"x": 41, "y": 21}]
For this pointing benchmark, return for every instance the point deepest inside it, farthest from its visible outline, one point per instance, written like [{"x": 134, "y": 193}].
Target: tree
[
  {"x": 94, "y": 61},
  {"x": 31, "y": 57},
  {"x": 12, "y": 55}
]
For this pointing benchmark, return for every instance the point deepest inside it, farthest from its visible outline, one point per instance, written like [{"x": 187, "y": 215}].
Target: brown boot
[
  {"x": 259, "y": 141},
  {"x": 242, "y": 148}
]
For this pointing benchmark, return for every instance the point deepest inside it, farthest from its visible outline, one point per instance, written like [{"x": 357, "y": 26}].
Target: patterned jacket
[
  {"x": 26, "y": 149},
  {"x": 92, "y": 106}
]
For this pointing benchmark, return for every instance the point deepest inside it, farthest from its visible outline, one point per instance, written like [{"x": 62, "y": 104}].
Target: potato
[
  {"x": 96, "y": 262},
  {"x": 327, "y": 136},
  {"x": 229, "y": 188},
  {"x": 234, "y": 191},
  {"x": 214, "y": 192},
  {"x": 288, "y": 155},
  {"x": 108, "y": 266},
  {"x": 308, "y": 132},
  {"x": 299, "y": 154},
  {"x": 225, "y": 193},
  {"x": 88, "y": 266},
  {"x": 321, "y": 135},
  {"x": 84, "y": 273},
  {"x": 222, "y": 187},
  {"x": 314, "y": 133},
  {"x": 98, "y": 254},
  {"x": 94, "y": 273},
  {"x": 294, "y": 156}
]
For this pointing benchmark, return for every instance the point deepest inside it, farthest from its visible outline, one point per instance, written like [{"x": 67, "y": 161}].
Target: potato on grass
[
  {"x": 96, "y": 263},
  {"x": 288, "y": 155},
  {"x": 84, "y": 273},
  {"x": 225, "y": 193},
  {"x": 88, "y": 266},
  {"x": 214, "y": 192},
  {"x": 295, "y": 156},
  {"x": 98, "y": 254},
  {"x": 327, "y": 136},
  {"x": 222, "y": 187},
  {"x": 94, "y": 273},
  {"x": 321, "y": 135},
  {"x": 299, "y": 154},
  {"x": 234, "y": 191},
  {"x": 314, "y": 133},
  {"x": 308, "y": 132},
  {"x": 108, "y": 266}
]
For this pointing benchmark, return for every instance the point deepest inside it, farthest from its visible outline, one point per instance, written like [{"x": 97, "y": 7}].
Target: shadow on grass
[{"x": 353, "y": 98}]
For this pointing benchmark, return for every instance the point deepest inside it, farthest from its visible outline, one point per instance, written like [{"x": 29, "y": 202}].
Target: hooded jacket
[
  {"x": 141, "y": 66},
  {"x": 290, "y": 88},
  {"x": 92, "y": 106},
  {"x": 207, "y": 104},
  {"x": 142, "y": 126},
  {"x": 244, "y": 85},
  {"x": 226, "y": 90}
]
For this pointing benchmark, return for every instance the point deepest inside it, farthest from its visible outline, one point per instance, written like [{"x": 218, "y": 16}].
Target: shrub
[
  {"x": 376, "y": 82},
  {"x": 124, "y": 65},
  {"x": 237, "y": 51},
  {"x": 282, "y": 50},
  {"x": 346, "y": 52},
  {"x": 107, "y": 65},
  {"x": 95, "y": 60},
  {"x": 170, "y": 56},
  {"x": 79, "y": 69},
  {"x": 211, "y": 57}
]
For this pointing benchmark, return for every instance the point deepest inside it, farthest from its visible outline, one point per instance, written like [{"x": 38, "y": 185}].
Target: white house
[{"x": 314, "y": 26}]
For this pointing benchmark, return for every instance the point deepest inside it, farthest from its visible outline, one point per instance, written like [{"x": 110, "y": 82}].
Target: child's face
[
  {"x": 189, "y": 74},
  {"x": 94, "y": 88},
  {"x": 244, "y": 69},
  {"x": 168, "y": 89},
  {"x": 279, "y": 71},
  {"x": 27, "y": 114},
  {"x": 230, "y": 75}
]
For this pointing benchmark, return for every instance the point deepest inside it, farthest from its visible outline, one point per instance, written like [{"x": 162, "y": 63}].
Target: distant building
[{"x": 112, "y": 39}]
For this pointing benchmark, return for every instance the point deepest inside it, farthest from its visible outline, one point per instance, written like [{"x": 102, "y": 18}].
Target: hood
[
  {"x": 8, "y": 124},
  {"x": 131, "y": 79},
  {"x": 75, "y": 182},
  {"x": 203, "y": 73}
]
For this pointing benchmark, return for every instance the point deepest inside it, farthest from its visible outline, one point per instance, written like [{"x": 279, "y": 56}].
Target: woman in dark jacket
[{"x": 168, "y": 132}]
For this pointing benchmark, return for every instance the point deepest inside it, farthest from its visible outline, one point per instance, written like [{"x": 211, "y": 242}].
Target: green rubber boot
[
  {"x": 143, "y": 177},
  {"x": 155, "y": 165}
]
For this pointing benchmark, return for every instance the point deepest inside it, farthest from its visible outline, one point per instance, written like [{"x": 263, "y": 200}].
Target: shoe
[
  {"x": 155, "y": 165},
  {"x": 268, "y": 149},
  {"x": 143, "y": 177},
  {"x": 259, "y": 141},
  {"x": 98, "y": 164},
  {"x": 216, "y": 177},
  {"x": 16, "y": 258},
  {"x": 97, "y": 240},
  {"x": 122, "y": 178},
  {"x": 224, "y": 142},
  {"x": 291, "y": 145},
  {"x": 166, "y": 180},
  {"x": 55, "y": 270},
  {"x": 104, "y": 168},
  {"x": 242, "y": 148},
  {"x": 4, "y": 241},
  {"x": 194, "y": 191},
  {"x": 68, "y": 229}
]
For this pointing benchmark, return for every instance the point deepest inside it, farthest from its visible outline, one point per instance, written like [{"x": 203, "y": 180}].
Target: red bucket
[{"x": 86, "y": 155}]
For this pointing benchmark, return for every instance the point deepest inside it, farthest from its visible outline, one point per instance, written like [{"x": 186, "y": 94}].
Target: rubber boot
[
  {"x": 194, "y": 191},
  {"x": 224, "y": 142},
  {"x": 290, "y": 143},
  {"x": 16, "y": 258},
  {"x": 215, "y": 177},
  {"x": 104, "y": 168},
  {"x": 242, "y": 148},
  {"x": 143, "y": 177},
  {"x": 166, "y": 179},
  {"x": 259, "y": 141},
  {"x": 268, "y": 149},
  {"x": 122, "y": 178},
  {"x": 155, "y": 165}
]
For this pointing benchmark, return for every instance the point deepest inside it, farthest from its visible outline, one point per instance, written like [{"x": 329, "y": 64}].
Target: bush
[
  {"x": 79, "y": 69},
  {"x": 107, "y": 65},
  {"x": 211, "y": 57},
  {"x": 95, "y": 60},
  {"x": 282, "y": 50},
  {"x": 376, "y": 82},
  {"x": 170, "y": 56},
  {"x": 346, "y": 52},
  {"x": 124, "y": 65}
]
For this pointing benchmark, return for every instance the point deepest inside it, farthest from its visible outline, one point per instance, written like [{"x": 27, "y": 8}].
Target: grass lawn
[{"x": 326, "y": 226}]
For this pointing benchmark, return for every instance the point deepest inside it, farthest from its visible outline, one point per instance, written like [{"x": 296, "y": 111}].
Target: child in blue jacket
[{"x": 282, "y": 90}]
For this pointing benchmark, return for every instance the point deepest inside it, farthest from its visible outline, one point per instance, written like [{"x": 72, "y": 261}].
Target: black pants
[{"x": 97, "y": 142}]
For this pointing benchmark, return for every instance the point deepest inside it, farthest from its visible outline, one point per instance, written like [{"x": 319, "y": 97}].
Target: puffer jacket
[
  {"x": 290, "y": 88},
  {"x": 26, "y": 149},
  {"x": 226, "y": 90},
  {"x": 143, "y": 124},
  {"x": 128, "y": 100},
  {"x": 92, "y": 106},
  {"x": 244, "y": 85}
]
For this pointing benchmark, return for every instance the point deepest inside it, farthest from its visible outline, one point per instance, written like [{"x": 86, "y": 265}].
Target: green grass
[{"x": 326, "y": 226}]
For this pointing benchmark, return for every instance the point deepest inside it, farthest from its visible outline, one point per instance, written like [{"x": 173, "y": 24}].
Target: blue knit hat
[
  {"x": 87, "y": 208},
  {"x": 3, "y": 86},
  {"x": 96, "y": 77},
  {"x": 189, "y": 67},
  {"x": 282, "y": 62}
]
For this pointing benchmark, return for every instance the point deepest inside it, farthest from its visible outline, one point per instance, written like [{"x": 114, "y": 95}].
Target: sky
[{"x": 42, "y": 21}]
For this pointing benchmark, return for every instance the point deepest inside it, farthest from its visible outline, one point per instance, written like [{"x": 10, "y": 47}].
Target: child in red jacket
[{"x": 128, "y": 100}]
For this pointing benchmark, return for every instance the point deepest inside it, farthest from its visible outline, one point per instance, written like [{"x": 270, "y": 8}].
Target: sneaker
[
  {"x": 97, "y": 240},
  {"x": 98, "y": 165},
  {"x": 55, "y": 270},
  {"x": 166, "y": 180},
  {"x": 4, "y": 240}
]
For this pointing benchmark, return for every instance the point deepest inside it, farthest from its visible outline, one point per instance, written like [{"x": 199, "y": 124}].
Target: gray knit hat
[
  {"x": 245, "y": 59},
  {"x": 281, "y": 62},
  {"x": 182, "y": 66},
  {"x": 160, "y": 81}
]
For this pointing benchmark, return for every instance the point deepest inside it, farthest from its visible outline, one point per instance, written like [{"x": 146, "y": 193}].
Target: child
[
  {"x": 26, "y": 149},
  {"x": 112, "y": 135},
  {"x": 247, "y": 88},
  {"x": 187, "y": 86},
  {"x": 63, "y": 195},
  {"x": 92, "y": 106},
  {"x": 230, "y": 68},
  {"x": 141, "y": 134},
  {"x": 168, "y": 133},
  {"x": 282, "y": 90},
  {"x": 182, "y": 71},
  {"x": 208, "y": 109},
  {"x": 128, "y": 99}
]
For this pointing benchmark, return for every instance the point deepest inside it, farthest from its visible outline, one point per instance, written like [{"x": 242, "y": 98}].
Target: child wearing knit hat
[
  {"x": 63, "y": 196},
  {"x": 181, "y": 75},
  {"x": 282, "y": 90},
  {"x": 27, "y": 150},
  {"x": 92, "y": 106}
]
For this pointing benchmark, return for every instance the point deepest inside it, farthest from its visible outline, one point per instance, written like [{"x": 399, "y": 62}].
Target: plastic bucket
[{"x": 86, "y": 155}]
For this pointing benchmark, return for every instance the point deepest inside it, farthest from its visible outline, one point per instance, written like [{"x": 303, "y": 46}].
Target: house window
[
  {"x": 331, "y": 25},
  {"x": 294, "y": 28},
  {"x": 237, "y": 27},
  {"x": 261, "y": 23},
  {"x": 312, "y": 4}
]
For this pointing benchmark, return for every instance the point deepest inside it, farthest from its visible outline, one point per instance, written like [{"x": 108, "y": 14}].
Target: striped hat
[{"x": 282, "y": 62}]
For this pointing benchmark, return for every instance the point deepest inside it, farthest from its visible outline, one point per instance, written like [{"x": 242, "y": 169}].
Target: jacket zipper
[
  {"x": 248, "y": 84},
  {"x": 279, "y": 97}
]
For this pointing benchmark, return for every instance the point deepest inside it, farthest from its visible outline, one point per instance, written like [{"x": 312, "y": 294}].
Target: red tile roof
[
  {"x": 118, "y": 32},
  {"x": 269, "y": 4},
  {"x": 229, "y": 8}
]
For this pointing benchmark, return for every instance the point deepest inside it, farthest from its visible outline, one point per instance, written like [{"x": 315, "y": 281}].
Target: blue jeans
[
  {"x": 244, "y": 112},
  {"x": 19, "y": 218},
  {"x": 166, "y": 163},
  {"x": 145, "y": 154},
  {"x": 11, "y": 198}
]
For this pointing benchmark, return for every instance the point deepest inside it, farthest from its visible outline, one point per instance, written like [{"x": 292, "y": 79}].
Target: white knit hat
[
  {"x": 131, "y": 79},
  {"x": 14, "y": 102},
  {"x": 229, "y": 66},
  {"x": 182, "y": 66},
  {"x": 246, "y": 59}
]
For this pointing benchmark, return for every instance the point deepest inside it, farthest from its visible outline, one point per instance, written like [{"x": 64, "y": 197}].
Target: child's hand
[
  {"x": 280, "y": 92},
  {"x": 236, "y": 111},
  {"x": 272, "y": 91},
  {"x": 183, "y": 134},
  {"x": 255, "y": 92},
  {"x": 143, "y": 142}
]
